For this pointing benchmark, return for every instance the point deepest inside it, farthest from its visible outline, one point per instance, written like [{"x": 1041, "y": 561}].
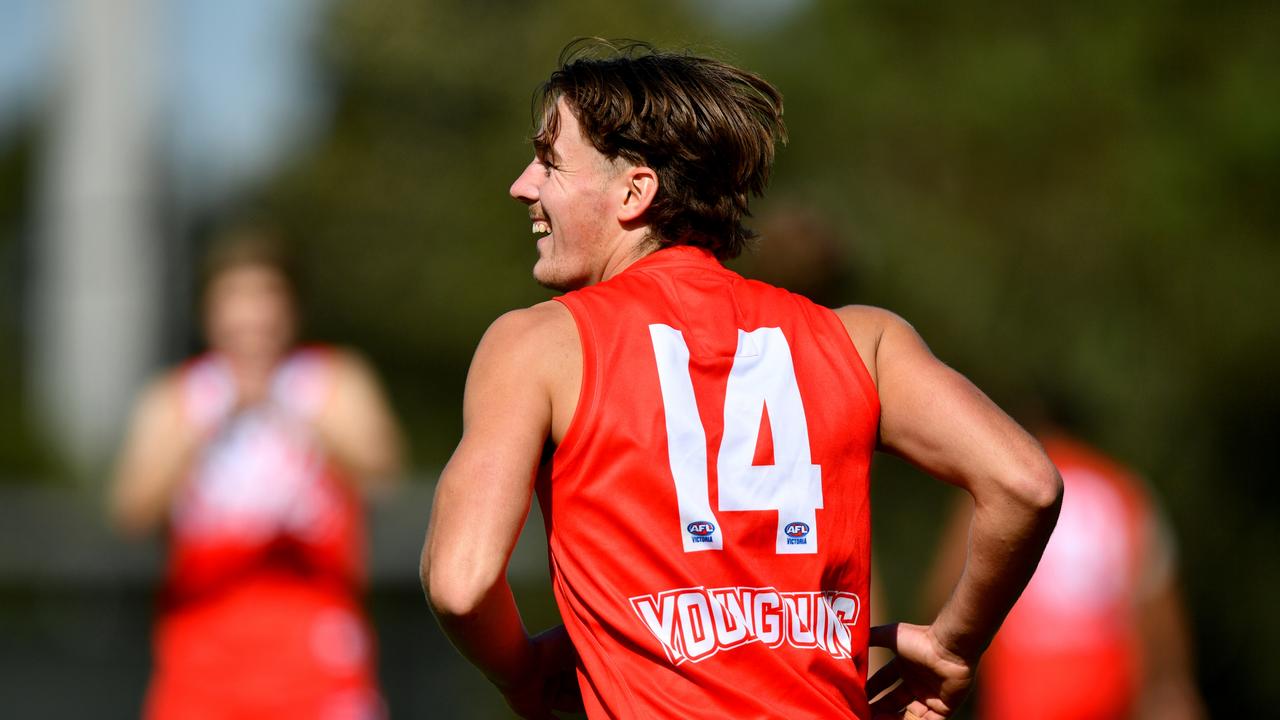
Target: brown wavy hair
[
  {"x": 705, "y": 127},
  {"x": 249, "y": 243}
]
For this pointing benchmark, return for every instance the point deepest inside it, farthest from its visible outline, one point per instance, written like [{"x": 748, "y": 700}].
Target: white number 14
[{"x": 762, "y": 375}]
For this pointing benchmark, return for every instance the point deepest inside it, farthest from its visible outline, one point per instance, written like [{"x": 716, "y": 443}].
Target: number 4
[{"x": 762, "y": 375}]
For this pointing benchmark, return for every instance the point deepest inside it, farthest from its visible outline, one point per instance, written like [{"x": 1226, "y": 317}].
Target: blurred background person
[
  {"x": 254, "y": 459},
  {"x": 1100, "y": 632}
]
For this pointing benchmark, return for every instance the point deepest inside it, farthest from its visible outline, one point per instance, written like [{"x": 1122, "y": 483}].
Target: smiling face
[{"x": 572, "y": 191}]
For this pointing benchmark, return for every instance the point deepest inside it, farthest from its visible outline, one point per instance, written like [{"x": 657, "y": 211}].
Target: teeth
[{"x": 541, "y": 226}]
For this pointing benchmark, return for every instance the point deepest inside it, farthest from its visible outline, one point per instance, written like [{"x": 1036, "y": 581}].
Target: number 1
[{"x": 762, "y": 375}]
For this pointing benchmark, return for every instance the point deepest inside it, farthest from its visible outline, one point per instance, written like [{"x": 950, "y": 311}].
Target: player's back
[{"x": 707, "y": 508}]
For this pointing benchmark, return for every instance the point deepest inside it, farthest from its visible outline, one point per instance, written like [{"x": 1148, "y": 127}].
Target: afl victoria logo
[
  {"x": 702, "y": 528},
  {"x": 797, "y": 530}
]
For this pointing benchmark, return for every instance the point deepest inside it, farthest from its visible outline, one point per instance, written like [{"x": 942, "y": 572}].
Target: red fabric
[
  {"x": 614, "y": 527},
  {"x": 268, "y": 646},
  {"x": 1070, "y": 648},
  {"x": 259, "y": 615}
]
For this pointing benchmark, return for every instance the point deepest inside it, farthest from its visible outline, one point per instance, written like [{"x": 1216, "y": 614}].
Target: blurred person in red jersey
[
  {"x": 700, "y": 443},
  {"x": 1100, "y": 632},
  {"x": 255, "y": 459}
]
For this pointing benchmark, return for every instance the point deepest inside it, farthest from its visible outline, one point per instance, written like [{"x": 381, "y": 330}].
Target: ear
[{"x": 640, "y": 186}]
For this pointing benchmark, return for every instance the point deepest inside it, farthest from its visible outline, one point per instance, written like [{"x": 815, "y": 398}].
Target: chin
[{"x": 554, "y": 278}]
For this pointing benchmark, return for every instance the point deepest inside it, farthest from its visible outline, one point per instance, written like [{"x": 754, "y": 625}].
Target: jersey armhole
[
  {"x": 568, "y": 449},
  {"x": 859, "y": 368}
]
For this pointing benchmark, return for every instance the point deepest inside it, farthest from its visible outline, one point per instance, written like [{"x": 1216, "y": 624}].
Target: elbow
[
  {"x": 453, "y": 589},
  {"x": 381, "y": 485},
  {"x": 131, "y": 521},
  {"x": 1050, "y": 496},
  {"x": 129, "y": 527},
  {"x": 384, "y": 465},
  {"x": 1032, "y": 490},
  {"x": 376, "y": 475},
  {"x": 450, "y": 599},
  {"x": 1039, "y": 490}
]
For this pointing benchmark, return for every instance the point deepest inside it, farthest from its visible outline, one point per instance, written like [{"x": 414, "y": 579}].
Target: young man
[{"x": 706, "y": 502}]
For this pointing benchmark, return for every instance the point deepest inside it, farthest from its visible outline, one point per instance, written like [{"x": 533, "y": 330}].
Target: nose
[{"x": 525, "y": 188}]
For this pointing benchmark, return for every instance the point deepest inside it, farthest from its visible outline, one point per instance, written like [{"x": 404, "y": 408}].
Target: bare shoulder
[
  {"x": 532, "y": 347},
  {"x": 545, "y": 316},
  {"x": 355, "y": 383},
  {"x": 544, "y": 327},
  {"x": 351, "y": 365},
  {"x": 158, "y": 417},
  {"x": 162, "y": 396},
  {"x": 867, "y": 317},
  {"x": 535, "y": 343},
  {"x": 868, "y": 327}
]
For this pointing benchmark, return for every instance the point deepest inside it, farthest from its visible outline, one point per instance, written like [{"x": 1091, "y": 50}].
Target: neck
[
  {"x": 626, "y": 253},
  {"x": 247, "y": 364}
]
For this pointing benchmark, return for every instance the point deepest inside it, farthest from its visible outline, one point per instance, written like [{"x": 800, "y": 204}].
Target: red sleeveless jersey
[
  {"x": 260, "y": 613},
  {"x": 1070, "y": 647},
  {"x": 707, "y": 510},
  {"x": 261, "y": 496}
]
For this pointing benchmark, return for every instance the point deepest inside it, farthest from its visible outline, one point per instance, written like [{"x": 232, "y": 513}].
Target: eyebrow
[{"x": 544, "y": 150}]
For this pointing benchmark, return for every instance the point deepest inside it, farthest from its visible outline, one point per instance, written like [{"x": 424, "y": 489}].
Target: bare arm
[
  {"x": 157, "y": 451},
  {"x": 482, "y": 501},
  {"x": 358, "y": 428},
  {"x": 936, "y": 419}
]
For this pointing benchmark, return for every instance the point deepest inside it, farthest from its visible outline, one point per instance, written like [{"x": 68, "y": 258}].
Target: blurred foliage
[{"x": 1073, "y": 197}]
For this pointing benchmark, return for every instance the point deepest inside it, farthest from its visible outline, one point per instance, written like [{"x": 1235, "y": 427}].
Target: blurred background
[{"x": 1082, "y": 200}]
